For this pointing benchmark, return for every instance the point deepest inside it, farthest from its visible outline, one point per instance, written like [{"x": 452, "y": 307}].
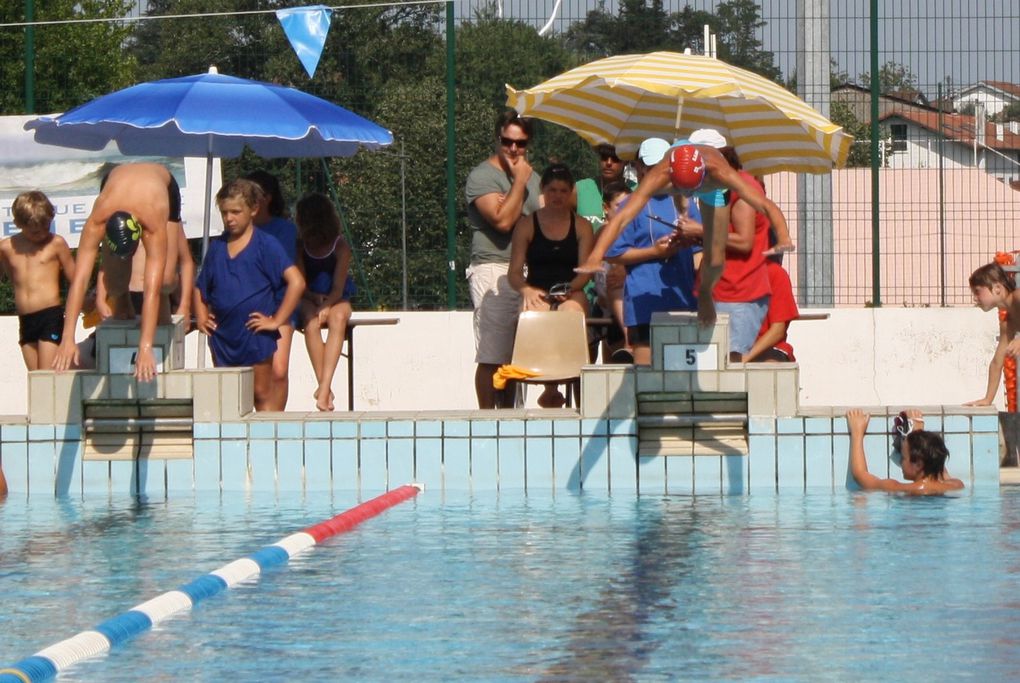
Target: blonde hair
[
  {"x": 249, "y": 192},
  {"x": 32, "y": 210},
  {"x": 317, "y": 219}
]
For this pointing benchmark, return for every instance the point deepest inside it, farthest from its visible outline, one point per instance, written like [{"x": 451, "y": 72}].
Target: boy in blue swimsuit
[{"x": 235, "y": 300}]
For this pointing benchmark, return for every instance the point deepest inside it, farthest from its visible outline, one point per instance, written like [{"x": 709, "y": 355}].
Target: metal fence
[{"x": 931, "y": 195}]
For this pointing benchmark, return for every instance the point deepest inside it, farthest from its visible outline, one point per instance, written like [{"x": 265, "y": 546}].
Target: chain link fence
[{"x": 946, "y": 155}]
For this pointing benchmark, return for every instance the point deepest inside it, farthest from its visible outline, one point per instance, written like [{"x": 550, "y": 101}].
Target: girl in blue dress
[
  {"x": 235, "y": 299},
  {"x": 324, "y": 258}
]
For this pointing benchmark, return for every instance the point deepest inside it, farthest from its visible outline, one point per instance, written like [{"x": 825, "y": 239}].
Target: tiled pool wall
[
  {"x": 593, "y": 448},
  {"x": 472, "y": 451}
]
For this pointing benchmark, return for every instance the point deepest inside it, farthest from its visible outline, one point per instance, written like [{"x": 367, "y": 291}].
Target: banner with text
[{"x": 70, "y": 178}]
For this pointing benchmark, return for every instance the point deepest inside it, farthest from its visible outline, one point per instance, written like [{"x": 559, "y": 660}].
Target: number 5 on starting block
[{"x": 690, "y": 357}]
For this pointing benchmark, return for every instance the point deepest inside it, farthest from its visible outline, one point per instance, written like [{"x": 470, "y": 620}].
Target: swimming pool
[{"x": 543, "y": 586}]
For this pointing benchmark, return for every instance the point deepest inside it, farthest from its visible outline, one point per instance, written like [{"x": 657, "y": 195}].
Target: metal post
[
  {"x": 876, "y": 253},
  {"x": 942, "y": 202},
  {"x": 206, "y": 220},
  {"x": 403, "y": 220},
  {"x": 451, "y": 166},
  {"x": 815, "y": 260},
  {"x": 29, "y": 57}
]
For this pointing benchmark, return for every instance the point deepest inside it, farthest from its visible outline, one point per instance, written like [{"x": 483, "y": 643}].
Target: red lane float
[{"x": 349, "y": 519}]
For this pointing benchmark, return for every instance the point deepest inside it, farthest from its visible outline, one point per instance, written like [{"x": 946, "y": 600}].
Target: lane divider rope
[{"x": 48, "y": 662}]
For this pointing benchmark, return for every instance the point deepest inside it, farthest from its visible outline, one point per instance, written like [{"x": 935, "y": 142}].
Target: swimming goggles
[{"x": 902, "y": 425}]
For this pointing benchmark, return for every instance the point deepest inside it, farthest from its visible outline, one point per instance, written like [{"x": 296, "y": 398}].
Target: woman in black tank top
[{"x": 548, "y": 244}]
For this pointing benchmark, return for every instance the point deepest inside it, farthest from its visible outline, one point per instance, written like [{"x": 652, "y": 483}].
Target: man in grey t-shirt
[{"x": 499, "y": 191}]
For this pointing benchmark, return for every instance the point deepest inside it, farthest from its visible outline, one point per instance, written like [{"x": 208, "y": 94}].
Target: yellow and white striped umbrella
[{"x": 624, "y": 99}]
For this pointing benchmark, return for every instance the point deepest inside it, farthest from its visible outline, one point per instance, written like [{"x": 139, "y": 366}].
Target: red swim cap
[{"x": 686, "y": 167}]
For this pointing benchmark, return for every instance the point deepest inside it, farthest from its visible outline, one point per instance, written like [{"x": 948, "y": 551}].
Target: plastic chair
[{"x": 553, "y": 344}]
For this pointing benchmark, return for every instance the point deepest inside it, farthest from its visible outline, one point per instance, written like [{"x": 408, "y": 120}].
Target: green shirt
[{"x": 589, "y": 202}]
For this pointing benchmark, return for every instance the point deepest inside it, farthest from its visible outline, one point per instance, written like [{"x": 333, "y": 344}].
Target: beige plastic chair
[{"x": 553, "y": 344}]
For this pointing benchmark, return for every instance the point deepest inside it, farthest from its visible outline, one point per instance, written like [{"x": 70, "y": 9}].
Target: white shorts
[{"x": 497, "y": 306}]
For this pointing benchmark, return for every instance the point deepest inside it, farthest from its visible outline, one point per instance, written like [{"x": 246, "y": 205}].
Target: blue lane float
[{"x": 47, "y": 663}]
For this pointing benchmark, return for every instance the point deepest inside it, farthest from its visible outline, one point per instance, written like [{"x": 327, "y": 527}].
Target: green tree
[
  {"x": 215, "y": 33},
  {"x": 74, "y": 63},
  {"x": 483, "y": 69},
  {"x": 375, "y": 62},
  {"x": 738, "y": 24},
  {"x": 860, "y": 151},
  {"x": 638, "y": 27},
  {"x": 838, "y": 77},
  {"x": 493, "y": 53},
  {"x": 893, "y": 79},
  {"x": 646, "y": 27},
  {"x": 969, "y": 108},
  {"x": 1011, "y": 112}
]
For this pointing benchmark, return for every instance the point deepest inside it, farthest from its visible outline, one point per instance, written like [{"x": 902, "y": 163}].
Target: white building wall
[
  {"x": 994, "y": 101},
  {"x": 923, "y": 152}
]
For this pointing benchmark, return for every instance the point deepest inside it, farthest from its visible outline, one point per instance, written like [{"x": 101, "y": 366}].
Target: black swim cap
[{"x": 122, "y": 234}]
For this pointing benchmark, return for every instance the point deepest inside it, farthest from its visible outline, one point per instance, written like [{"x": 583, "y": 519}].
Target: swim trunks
[
  {"x": 174, "y": 194},
  {"x": 46, "y": 325}
]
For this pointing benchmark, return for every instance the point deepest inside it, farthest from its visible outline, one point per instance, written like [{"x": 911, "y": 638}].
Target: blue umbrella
[{"x": 211, "y": 115}]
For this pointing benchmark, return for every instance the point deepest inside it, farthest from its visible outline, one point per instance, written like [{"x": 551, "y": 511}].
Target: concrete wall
[{"x": 889, "y": 356}]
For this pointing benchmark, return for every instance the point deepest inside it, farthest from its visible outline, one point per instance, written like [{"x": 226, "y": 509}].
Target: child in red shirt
[{"x": 771, "y": 344}]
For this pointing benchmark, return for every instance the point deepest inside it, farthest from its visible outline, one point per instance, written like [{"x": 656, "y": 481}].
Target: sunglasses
[
  {"x": 609, "y": 157},
  {"x": 510, "y": 142}
]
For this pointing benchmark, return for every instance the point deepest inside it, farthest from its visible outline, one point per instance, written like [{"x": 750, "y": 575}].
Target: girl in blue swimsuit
[{"x": 324, "y": 258}]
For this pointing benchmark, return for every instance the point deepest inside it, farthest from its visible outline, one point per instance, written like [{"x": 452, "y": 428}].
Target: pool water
[{"x": 823, "y": 586}]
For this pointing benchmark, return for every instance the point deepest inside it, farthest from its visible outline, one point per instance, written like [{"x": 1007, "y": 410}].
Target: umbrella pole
[
  {"x": 205, "y": 238},
  {"x": 403, "y": 221},
  {"x": 679, "y": 117}
]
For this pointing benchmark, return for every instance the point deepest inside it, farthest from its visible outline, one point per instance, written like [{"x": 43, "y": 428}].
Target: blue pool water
[{"x": 823, "y": 586}]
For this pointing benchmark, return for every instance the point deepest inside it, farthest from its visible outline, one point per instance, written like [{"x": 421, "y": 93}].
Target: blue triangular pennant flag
[{"x": 306, "y": 29}]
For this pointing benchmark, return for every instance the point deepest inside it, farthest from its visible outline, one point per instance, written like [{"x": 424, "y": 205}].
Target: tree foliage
[
  {"x": 387, "y": 63},
  {"x": 860, "y": 151},
  {"x": 646, "y": 27},
  {"x": 73, "y": 62},
  {"x": 1011, "y": 112},
  {"x": 738, "y": 24},
  {"x": 893, "y": 79}
]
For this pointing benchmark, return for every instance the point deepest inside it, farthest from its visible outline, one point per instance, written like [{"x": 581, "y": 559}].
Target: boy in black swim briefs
[
  {"x": 34, "y": 258},
  {"x": 136, "y": 204}
]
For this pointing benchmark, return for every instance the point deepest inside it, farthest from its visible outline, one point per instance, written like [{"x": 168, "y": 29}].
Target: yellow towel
[
  {"x": 91, "y": 318},
  {"x": 506, "y": 372}
]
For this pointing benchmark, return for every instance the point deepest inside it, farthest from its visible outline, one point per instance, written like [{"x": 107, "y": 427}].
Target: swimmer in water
[{"x": 923, "y": 460}]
